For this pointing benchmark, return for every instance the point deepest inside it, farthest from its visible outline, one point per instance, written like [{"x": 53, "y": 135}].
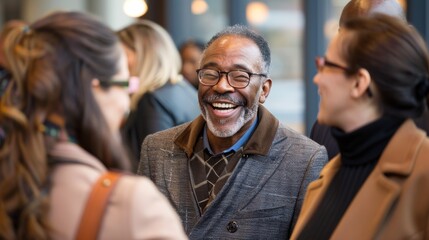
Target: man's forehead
[
  {"x": 232, "y": 44},
  {"x": 230, "y": 38}
]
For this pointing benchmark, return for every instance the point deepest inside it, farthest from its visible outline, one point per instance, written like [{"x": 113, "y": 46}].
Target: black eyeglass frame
[
  {"x": 323, "y": 61},
  {"x": 117, "y": 83},
  {"x": 227, "y": 76},
  {"x": 120, "y": 83},
  {"x": 328, "y": 63}
]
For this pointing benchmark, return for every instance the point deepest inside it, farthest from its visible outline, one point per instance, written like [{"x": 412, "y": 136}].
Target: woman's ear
[
  {"x": 266, "y": 87},
  {"x": 362, "y": 80}
]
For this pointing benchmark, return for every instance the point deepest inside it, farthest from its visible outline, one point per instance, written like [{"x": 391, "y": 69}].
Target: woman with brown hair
[
  {"x": 372, "y": 81},
  {"x": 59, "y": 138}
]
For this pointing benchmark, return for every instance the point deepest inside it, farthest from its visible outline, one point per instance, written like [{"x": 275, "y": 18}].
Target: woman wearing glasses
[
  {"x": 373, "y": 79},
  {"x": 59, "y": 109}
]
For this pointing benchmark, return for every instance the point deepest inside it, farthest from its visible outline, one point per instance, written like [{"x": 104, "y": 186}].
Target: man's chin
[{"x": 223, "y": 131}]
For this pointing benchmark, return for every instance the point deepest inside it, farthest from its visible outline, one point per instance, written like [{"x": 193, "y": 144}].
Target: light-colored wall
[
  {"x": 108, "y": 11},
  {"x": 35, "y": 9}
]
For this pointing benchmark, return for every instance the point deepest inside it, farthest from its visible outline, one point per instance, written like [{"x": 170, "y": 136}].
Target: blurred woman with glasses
[
  {"x": 60, "y": 112},
  {"x": 372, "y": 81}
]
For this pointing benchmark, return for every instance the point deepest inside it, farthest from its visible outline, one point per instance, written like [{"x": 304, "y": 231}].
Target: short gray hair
[{"x": 246, "y": 32}]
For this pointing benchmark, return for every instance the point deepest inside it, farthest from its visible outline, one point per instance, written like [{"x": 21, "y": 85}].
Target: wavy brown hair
[{"x": 52, "y": 64}]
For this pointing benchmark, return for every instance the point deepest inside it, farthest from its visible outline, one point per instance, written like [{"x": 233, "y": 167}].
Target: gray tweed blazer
[{"x": 261, "y": 199}]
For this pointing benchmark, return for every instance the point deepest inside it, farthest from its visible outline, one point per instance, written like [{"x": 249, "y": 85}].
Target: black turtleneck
[{"x": 360, "y": 151}]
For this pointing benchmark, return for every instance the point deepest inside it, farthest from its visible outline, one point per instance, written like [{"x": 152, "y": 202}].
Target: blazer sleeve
[
  {"x": 315, "y": 165},
  {"x": 152, "y": 216},
  {"x": 143, "y": 167}
]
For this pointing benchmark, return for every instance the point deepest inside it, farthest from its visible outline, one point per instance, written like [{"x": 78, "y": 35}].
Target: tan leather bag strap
[{"x": 96, "y": 205}]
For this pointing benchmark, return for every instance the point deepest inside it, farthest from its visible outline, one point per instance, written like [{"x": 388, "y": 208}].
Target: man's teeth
[{"x": 223, "y": 105}]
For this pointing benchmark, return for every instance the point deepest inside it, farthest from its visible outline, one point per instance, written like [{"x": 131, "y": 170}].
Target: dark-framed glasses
[
  {"x": 235, "y": 78},
  {"x": 122, "y": 83},
  {"x": 130, "y": 84},
  {"x": 322, "y": 62}
]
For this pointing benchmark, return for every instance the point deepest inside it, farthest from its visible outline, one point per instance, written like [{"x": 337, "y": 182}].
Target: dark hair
[
  {"x": 52, "y": 64},
  {"x": 362, "y": 8},
  {"x": 396, "y": 57},
  {"x": 192, "y": 43},
  {"x": 243, "y": 31}
]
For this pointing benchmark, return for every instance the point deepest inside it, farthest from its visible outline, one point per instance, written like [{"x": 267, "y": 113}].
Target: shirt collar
[
  {"x": 259, "y": 142},
  {"x": 236, "y": 145}
]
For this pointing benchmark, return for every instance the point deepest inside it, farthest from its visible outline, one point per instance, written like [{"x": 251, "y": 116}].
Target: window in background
[
  {"x": 205, "y": 24},
  {"x": 282, "y": 24},
  {"x": 333, "y": 17}
]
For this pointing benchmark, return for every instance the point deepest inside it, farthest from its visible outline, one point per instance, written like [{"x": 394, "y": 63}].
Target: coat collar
[
  {"x": 264, "y": 132},
  {"x": 377, "y": 194}
]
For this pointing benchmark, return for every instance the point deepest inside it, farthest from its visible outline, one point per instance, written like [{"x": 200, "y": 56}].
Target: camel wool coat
[{"x": 393, "y": 202}]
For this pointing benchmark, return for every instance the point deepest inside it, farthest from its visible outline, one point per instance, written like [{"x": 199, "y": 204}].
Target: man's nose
[{"x": 223, "y": 85}]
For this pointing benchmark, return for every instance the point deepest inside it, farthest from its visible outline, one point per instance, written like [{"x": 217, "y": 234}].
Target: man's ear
[
  {"x": 266, "y": 88},
  {"x": 361, "y": 83}
]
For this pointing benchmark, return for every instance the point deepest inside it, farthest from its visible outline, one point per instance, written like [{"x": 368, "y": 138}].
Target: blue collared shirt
[{"x": 237, "y": 145}]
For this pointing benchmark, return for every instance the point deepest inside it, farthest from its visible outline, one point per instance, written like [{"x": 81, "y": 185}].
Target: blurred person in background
[
  {"x": 190, "y": 52},
  {"x": 60, "y": 136},
  {"x": 373, "y": 80},
  {"x": 163, "y": 99}
]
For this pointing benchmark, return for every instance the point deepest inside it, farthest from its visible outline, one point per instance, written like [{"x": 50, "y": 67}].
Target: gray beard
[{"x": 245, "y": 116}]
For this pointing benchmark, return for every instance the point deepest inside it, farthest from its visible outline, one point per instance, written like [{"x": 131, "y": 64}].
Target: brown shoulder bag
[{"x": 96, "y": 205}]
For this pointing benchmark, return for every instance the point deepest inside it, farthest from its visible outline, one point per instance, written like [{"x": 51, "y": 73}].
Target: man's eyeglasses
[
  {"x": 322, "y": 62},
  {"x": 235, "y": 78}
]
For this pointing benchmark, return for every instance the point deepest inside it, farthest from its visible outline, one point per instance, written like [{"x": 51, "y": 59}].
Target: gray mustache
[{"x": 227, "y": 97}]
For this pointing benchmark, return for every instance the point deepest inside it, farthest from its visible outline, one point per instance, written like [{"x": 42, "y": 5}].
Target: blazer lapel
[
  {"x": 174, "y": 170},
  {"x": 176, "y": 178},
  {"x": 254, "y": 172},
  {"x": 374, "y": 200},
  {"x": 368, "y": 209}
]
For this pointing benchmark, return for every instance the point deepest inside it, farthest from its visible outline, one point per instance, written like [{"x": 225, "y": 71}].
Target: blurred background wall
[{"x": 297, "y": 31}]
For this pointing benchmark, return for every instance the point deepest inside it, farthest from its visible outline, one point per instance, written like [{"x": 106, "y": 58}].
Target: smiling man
[{"x": 235, "y": 171}]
